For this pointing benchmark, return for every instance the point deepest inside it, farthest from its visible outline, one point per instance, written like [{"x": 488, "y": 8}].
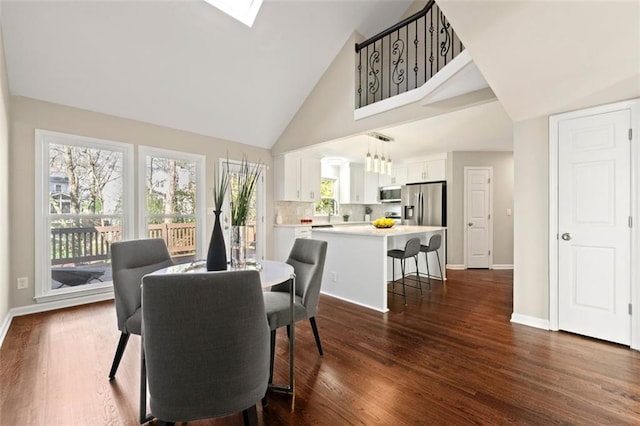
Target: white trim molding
[
  {"x": 498, "y": 266},
  {"x": 455, "y": 267},
  {"x": 530, "y": 321}
]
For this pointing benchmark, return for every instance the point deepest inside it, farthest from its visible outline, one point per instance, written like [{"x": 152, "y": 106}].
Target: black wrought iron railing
[{"x": 405, "y": 56}]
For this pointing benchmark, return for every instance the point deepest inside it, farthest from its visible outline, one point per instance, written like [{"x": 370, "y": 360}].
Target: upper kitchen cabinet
[
  {"x": 427, "y": 171},
  {"x": 297, "y": 178},
  {"x": 399, "y": 176},
  {"x": 358, "y": 186}
]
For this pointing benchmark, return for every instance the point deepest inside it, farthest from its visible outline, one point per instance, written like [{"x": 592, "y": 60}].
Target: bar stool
[
  {"x": 411, "y": 249},
  {"x": 432, "y": 246}
]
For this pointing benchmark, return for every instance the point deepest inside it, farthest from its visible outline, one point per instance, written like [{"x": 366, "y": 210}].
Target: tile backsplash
[{"x": 292, "y": 211}]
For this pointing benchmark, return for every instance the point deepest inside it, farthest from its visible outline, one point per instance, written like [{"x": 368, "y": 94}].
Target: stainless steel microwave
[{"x": 390, "y": 194}]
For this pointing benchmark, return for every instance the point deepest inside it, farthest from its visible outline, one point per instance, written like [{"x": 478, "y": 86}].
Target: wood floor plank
[{"x": 451, "y": 356}]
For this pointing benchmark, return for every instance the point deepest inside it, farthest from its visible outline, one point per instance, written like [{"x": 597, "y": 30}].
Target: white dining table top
[{"x": 271, "y": 272}]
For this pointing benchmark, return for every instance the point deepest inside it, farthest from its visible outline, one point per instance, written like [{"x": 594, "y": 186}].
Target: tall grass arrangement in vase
[
  {"x": 242, "y": 191},
  {"x": 242, "y": 186}
]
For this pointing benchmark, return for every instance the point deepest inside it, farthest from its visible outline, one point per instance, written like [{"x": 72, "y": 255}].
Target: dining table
[{"x": 271, "y": 273}]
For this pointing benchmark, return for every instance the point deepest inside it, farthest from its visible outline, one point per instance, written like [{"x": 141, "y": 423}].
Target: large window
[
  {"x": 172, "y": 201},
  {"x": 328, "y": 204},
  {"x": 83, "y": 204}
]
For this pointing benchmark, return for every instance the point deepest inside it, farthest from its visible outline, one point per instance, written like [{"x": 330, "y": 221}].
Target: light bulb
[
  {"x": 376, "y": 163},
  {"x": 367, "y": 162},
  {"x": 389, "y": 166}
]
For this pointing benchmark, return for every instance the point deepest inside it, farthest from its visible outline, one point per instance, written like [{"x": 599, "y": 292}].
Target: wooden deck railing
[{"x": 89, "y": 244}]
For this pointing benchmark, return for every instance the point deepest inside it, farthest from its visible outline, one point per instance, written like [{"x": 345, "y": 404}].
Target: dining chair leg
[
  {"x": 314, "y": 327},
  {"x": 273, "y": 352},
  {"x": 122, "y": 344},
  {"x": 250, "y": 416}
]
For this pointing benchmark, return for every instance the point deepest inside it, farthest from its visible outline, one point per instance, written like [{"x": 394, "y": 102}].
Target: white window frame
[
  {"x": 201, "y": 210},
  {"x": 43, "y": 139}
]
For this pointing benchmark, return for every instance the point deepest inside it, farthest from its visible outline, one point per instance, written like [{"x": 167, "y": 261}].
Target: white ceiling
[{"x": 183, "y": 64}]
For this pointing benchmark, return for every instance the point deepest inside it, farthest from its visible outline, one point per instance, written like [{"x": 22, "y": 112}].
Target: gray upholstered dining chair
[
  {"x": 307, "y": 257},
  {"x": 411, "y": 249},
  {"x": 206, "y": 344},
  {"x": 130, "y": 261}
]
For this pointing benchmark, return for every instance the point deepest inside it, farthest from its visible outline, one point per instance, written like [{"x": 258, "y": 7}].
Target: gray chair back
[
  {"x": 435, "y": 241},
  {"x": 412, "y": 247},
  {"x": 130, "y": 261},
  {"x": 307, "y": 257},
  {"x": 206, "y": 343}
]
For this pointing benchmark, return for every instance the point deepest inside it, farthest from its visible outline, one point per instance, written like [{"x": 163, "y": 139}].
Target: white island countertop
[{"x": 370, "y": 230}]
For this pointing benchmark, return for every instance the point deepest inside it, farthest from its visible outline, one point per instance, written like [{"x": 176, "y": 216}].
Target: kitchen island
[{"x": 357, "y": 268}]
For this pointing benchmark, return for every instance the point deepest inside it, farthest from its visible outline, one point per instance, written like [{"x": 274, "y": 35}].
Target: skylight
[{"x": 244, "y": 11}]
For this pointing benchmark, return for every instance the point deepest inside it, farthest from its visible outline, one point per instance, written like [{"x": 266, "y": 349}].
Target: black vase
[{"x": 217, "y": 255}]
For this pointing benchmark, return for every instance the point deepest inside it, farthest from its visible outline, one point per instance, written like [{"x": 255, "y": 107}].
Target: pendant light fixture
[{"x": 378, "y": 164}]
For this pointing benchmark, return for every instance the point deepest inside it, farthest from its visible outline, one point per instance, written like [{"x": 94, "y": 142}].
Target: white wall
[
  {"x": 29, "y": 114},
  {"x": 531, "y": 220},
  {"x": 5, "y": 229}
]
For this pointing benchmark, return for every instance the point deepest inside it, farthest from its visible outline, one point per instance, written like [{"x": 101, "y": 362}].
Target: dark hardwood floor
[{"x": 451, "y": 357}]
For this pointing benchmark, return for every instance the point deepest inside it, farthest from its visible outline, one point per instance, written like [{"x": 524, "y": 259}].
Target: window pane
[
  {"x": 171, "y": 186},
  {"x": 328, "y": 204},
  {"x": 171, "y": 204},
  {"x": 85, "y": 180},
  {"x": 86, "y": 206}
]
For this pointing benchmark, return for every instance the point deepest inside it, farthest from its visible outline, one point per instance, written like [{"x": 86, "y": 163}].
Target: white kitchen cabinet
[
  {"x": 358, "y": 186},
  {"x": 285, "y": 237},
  {"x": 426, "y": 171},
  {"x": 399, "y": 176},
  {"x": 363, "y": 186},
  {"x": 297, "y": 178}
]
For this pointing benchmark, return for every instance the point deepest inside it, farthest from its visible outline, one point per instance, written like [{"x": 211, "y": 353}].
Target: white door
[
  {"x": 478, "y": 215},
  {"x": 594, "y": 268}
]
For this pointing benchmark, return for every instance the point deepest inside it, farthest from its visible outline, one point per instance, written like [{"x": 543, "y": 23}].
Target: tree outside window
[{"x": 328, "y": 204}]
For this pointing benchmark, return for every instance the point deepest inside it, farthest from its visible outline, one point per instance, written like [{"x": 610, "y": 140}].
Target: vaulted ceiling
[{"x": 183, "y": 64}]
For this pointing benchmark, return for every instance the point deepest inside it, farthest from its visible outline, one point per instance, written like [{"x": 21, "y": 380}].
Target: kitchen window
[{"x": 328, "y": 204}]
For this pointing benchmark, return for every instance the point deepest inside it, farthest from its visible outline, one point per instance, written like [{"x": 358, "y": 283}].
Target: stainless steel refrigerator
[{"x": 424, "y": 204}]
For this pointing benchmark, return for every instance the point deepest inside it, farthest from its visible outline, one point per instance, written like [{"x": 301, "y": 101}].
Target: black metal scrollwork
[
  {"x": 395, "y": 66},
  {"x": 445, "y": 44},
  {"x": 374, "y": 85},
  {"x": 398, "y": 73}
]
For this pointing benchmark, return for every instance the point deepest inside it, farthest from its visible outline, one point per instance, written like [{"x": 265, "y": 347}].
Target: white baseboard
[
  {"x": 50, "y": 306},
  {"x": 502, "y": 266},
  {"x": 5, "y": 327},
  {"x": 530, "y": 321},
  {"x": 456, "y": 267},
  {"x": 351, "y": 301}
]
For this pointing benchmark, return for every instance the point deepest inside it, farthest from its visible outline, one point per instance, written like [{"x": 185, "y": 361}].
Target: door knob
[
  {"x": 470, "y": 223},
  {"x": 566, "y": 236}
]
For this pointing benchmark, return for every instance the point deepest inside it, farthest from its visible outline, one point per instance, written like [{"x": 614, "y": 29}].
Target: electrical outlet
[
  {"x": 23, "y": 282},
  {"x": 334, "y": 277}
]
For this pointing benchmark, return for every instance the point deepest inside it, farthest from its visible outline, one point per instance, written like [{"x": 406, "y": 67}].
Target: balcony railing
[
  {"x": 405, "y": 56},
  {"x": 93, "y": 244}
]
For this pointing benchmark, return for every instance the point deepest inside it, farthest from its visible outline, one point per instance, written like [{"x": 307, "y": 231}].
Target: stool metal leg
[
  {"x": 415, "y": 259},
  {"x": 440, "y": 267},
  {"x": 426, "y": 258},
  {"x": 404, "y": 287}
]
